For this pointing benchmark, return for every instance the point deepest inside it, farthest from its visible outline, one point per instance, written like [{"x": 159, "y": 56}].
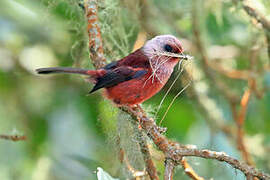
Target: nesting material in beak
[
  {"x": 185, "y": 56},
  {"x": 175, "y": 55}
]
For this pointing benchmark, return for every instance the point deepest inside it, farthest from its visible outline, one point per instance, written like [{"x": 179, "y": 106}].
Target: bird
[{"x": 136, "y": 77}]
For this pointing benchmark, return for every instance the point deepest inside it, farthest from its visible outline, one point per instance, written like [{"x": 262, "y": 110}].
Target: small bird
[{"x": 136, "y": 77}]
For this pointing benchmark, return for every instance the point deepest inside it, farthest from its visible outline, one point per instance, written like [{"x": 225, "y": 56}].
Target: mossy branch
[
  {"x": 173, "y": 151},
  {"x": 98, "y": 59}
]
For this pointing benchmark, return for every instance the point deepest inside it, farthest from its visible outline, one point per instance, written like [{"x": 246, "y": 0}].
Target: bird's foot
[{"x": 161, "y": 130}]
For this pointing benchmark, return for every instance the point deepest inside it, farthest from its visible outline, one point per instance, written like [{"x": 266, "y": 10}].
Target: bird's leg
[{"x": 141, "y": 109}]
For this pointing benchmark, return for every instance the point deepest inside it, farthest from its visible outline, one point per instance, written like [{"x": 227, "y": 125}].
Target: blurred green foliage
[{"x": 70, "y": 133}]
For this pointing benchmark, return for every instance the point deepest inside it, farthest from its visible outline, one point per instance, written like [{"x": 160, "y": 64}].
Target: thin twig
[
  {"x": 240, "y": 131},
  {"x": 241, "y": 116},
  {"x": 189, "y": 170},
  {"x": 123, "y": 159},
  {"x": 135, "y": 173},
  {"x": 254, "y": 13},
  {"x": 13, "y": 137}
]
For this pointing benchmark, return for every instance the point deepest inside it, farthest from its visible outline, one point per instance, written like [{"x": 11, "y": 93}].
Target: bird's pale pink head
[
  {"x": 163, "y": 50},
  {"x": 163, "y": 43}
]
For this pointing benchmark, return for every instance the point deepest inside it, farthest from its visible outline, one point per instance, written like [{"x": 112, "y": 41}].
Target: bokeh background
[{"x": 70, "y": 133}]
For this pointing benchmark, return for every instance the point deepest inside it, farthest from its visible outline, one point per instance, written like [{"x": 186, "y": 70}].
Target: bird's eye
[{"x": 168, "y": 48}]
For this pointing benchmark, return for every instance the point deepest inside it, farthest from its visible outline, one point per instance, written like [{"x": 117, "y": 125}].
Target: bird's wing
[
  {"x": 136, "y": 59},
  {"x": 117, "y": 75}
]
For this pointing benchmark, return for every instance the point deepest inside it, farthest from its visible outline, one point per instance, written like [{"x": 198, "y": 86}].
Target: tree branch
[
  {"x": 169, "y": 168},
  {"x": 172, "y": 150},
  {"x": 254, "y": 13},
  {"x": 240, "y": 131},
  {"x": 150, "y": 166},
  {"x": 189, "y": 170},
  {"x": 224, "y": 89},
  {"x": 98, "y": 59},
  {"x": 93, "y": 30},
  {"x": 175, "y": 151},
  {"x": 13, "y": 137},
  {"x": 124, "y": 159}
]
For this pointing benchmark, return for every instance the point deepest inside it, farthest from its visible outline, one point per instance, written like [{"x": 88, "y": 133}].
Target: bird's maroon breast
[{"x": 136, "y": 91}]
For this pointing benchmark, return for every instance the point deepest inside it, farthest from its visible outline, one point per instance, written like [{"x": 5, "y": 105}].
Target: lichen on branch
[{"x": 173, "y": 151}]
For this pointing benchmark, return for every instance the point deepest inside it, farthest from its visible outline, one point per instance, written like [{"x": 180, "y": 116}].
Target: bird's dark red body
[{"x": 136, "y": 77}]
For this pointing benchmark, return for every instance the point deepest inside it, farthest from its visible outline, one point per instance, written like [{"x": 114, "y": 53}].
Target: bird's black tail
[{"x": 62, "y": 70}]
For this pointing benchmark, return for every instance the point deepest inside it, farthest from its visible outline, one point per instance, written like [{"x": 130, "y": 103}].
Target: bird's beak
[
  {"x": 176, "y": 55},
  {"x": 184, "y": 56}
]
